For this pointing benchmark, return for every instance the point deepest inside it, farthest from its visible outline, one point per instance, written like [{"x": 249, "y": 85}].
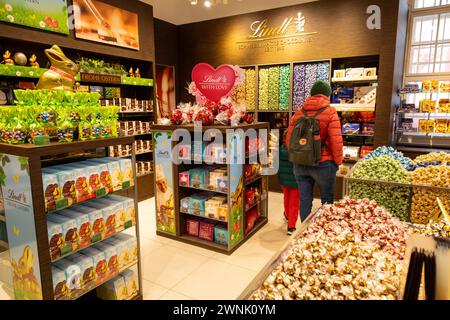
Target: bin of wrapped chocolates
[
  {"x": 353, "y": 250},
  {"x": 128, "y": 105},
  {"x": 412, "y": 190}
]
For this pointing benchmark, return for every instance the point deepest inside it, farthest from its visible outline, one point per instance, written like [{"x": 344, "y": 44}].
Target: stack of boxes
[
  {"x": 66, "y": 185},
  {"x": 92, "y": 266},
  {"x": 87, "y": 223}
]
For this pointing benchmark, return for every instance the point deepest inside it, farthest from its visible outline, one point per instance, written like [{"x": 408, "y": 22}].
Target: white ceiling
[{"x": 181, "y": 11}]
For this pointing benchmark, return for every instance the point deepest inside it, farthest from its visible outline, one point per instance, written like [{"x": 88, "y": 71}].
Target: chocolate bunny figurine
[{"x": 61, "y": 75}]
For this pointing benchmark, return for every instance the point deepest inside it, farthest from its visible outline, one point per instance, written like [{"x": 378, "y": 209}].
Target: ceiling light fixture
[
  {"x": 207, "y": 3},
  {"x": 194, "y": 2}
]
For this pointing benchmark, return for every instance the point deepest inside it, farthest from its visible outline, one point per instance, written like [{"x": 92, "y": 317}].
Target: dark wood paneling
[
  {"x": 166, "y": 43},
  {"x": 341, "y": 32},
  {"x": 166, "y": 48},
  {"x": 146, "y": 34},
  {"x": 146, "y": 187}
]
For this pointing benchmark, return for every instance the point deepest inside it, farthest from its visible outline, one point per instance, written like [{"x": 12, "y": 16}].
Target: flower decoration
[{"x": 225, "y": 112}]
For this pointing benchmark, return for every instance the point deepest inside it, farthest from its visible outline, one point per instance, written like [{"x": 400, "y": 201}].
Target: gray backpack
[{"x": 305, "y": 147}]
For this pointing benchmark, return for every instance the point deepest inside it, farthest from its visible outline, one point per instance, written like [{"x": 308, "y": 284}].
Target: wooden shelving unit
[
  {"x": 33, "y": 158},
  {"x": 169, "y": 188}
]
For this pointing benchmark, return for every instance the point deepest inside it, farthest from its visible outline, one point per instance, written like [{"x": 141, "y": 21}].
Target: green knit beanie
[{"x": 321, "y": 87}]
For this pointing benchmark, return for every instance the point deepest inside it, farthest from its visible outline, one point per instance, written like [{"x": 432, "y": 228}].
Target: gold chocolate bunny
[
  {"x": 33, "y": 61},
  {"x": 7, "y": 58},
  {"x": 61, "y": 75}
]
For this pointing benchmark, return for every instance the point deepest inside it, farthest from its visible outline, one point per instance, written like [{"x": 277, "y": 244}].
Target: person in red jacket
[{"x": 332, "y": 150}]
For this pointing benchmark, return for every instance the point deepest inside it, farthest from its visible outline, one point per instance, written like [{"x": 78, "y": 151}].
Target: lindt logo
[
  {"x": 263, "y": 29},
  {"x": 17, "y": 197}
]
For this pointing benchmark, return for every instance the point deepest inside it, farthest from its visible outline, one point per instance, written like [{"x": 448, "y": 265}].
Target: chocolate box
[
  {"x": 222, "y": 212},
  {"x": 109, "y": 216},
  {"x": 131, "y": 243},
  {"x": 60, "y": 289},
  {"x": 115, "y": 171},
  {"x": 126, "y": 167},
  {"x": 105, "y": 175},
  {"x": 199, "y": 178},
  {"x": 114, "y": 289},
  {"x": 221, "y": 235},
  {"x": 192, "y": 227},
  {"x": 83, "y": 225},
  {"x": 129, "y": 209},
  {"x": 72, "y": 272},
  {"x": 52, "y": 192},
  {"x": 93, "y": 173},
  {"x": 183, "y": 179},
  {"x": 118, "y": 208},
  {"x": 69, "y": 230},
  {"x": 206, "y": 231},
  {"x": 222, "y": 184},
  {"x": 87, "y": 271},
  {"x": 96, "y": 220},
  {"x": 99, "y": 261},
  {"x": 110, "y": 255},
  {"x": 185, "y": 204},
  {"x": 82, "y": 187},
  {"x": 212, "y": 206},
  {"x": 123, "y": 252},
  {"x": 55, "y": 239},
  {"x": 66, "y": 183},
  {"x": 132, "y": 283}
]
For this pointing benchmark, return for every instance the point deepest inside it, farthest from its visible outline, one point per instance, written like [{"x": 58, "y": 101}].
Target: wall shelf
[{"x": 35, "y": 73}]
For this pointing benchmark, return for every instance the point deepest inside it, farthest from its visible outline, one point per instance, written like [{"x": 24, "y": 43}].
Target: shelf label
[
  {"x": 100, "y": 78},
  {"x": 19, "y": 211}
]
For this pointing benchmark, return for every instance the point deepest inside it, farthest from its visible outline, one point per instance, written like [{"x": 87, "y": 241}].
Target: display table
[
  {"x": 351, "y": 250},
  {"x": 36, "y": 216},
  {"x": 205, "y": 200}
]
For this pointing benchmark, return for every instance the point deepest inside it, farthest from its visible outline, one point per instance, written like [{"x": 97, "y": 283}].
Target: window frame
[{"x": 414, "y": 13}]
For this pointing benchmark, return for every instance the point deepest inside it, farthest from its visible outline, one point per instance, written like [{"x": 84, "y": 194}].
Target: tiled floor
[
  {"x": 174, "y": 270},
  {"x": 177, "y": 271}
]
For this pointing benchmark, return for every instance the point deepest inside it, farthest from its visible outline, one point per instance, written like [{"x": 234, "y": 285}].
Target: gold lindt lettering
[{"x": 262, "y": 29}]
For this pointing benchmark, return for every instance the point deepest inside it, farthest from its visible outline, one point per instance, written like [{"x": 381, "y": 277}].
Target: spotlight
[{"x": 207, "y": 3}]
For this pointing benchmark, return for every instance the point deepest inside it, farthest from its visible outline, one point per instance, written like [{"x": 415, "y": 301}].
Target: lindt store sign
[{"x": 276, "y": 37}]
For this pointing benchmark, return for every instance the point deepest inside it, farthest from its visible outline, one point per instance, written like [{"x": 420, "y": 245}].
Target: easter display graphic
[{"x": 48, "y": 15}]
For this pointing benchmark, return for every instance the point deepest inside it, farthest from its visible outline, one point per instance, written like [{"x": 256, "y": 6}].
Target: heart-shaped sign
[{"x": 214, "y": 84}]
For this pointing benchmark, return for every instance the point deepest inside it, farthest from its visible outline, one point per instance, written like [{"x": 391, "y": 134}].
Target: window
[
  {"x": 421, "y": 4},
  {"x": 429, "y": 40}
]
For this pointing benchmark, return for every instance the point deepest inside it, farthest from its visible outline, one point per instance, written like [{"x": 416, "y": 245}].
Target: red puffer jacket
[{"x": 330, "y": 127}]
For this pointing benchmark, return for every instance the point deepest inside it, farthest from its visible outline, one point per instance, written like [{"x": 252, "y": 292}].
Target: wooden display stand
[
  {"x": 25, "y": 195},
  {"x": 170, "y": 218}
]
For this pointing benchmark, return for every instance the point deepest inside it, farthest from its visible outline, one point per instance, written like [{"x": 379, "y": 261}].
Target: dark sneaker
[{"x": 291, "y": 231}]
